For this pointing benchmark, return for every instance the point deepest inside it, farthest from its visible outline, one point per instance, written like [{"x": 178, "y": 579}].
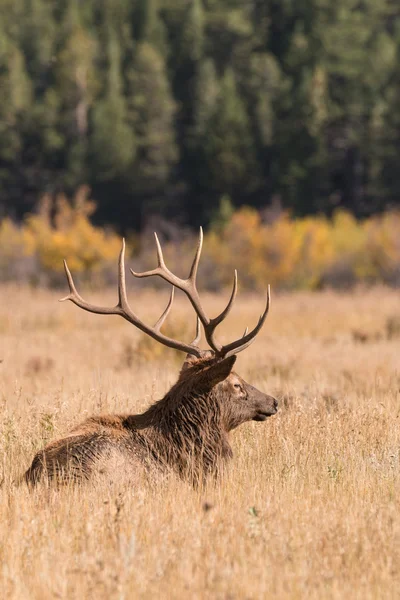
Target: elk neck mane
[{"x": 188, "y": 419}]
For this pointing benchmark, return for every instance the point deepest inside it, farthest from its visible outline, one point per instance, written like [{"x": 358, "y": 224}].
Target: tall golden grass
[{"x": 310, "y": 506}]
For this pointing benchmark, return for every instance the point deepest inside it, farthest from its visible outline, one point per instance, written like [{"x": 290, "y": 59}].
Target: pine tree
[
  {"x": 148, "y": 26},
  {"x": 192, "y": 39},
  {"x": 38, "y": 40},
  {"x": 228, "y": 143},
  {"x": 387, "y": 129},
  {"x": 150, "y": 112},
  {"x": 356, "y": 85},
  {"x": 112, "y": 140},
  {"x": 187, "y": 81},
  {"x": 206, "y": 91},
  {"x": 16, "y": 100},
  {"x": 75, "y": 85}
]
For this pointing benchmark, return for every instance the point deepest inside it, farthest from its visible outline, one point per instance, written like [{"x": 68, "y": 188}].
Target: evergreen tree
[
  {"x": 206, "y": 92},
  {"x": 191, "y": 41},
  {"x": 356, "y": 88},
  {"x": 228, "y": 144},
  {"x": 15, "y": 104},
  {"x": 112, "y": 139},
  {"x": 148, "y": 26},
  {"x": 74, "y": 82},
  {"x": 150, "y": 113},
  {"x": 38, "y": 39},
  {"x": 188, "y": 89},
  {"x": 387, "y": 128}
]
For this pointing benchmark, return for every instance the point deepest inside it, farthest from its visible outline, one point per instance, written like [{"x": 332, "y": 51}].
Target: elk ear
[
  {"x": 220, "y": 370},
  {"x": 189, "y": 361}
]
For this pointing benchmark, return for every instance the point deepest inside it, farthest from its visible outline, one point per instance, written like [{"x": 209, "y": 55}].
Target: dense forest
[{"x": 167, "y": 106}]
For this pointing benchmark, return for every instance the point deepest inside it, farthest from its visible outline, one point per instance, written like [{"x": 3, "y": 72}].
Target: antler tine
[
  {"x": 77, "y": 299},
  {"x": 196, "y": 260},
  {"x": 122, "y": 296},
  {"x": 166, "y": 312},
  {"x": 197, "y": 339},
  {"x": 248, "y": 338},
  {"x": 209, "y": 329},
  {"x": 222, "y": 316},
  {"x": 161, "y": 270},
  {"x": 72, "y": 288},
  {"x": 124, "y": 310},
  {"x": 160, "y": 257}
]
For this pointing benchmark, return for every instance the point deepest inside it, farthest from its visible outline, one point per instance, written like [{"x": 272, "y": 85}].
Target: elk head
[{"x": 238, "y": 401}]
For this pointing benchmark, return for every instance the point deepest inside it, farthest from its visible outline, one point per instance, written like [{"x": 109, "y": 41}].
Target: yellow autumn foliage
[
  {"x": 308, "y": 252},
  {"x": 69, "y": 235},
  {"x": 12, "y": 247},
  {"x": 61, "y": 229}
]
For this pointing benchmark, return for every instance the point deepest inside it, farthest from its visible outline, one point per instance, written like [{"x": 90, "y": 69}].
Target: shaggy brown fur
[{"x": 186, "y": 432}]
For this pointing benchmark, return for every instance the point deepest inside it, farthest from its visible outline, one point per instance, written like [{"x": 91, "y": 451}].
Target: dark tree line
[{"x": 169, "y": 105}]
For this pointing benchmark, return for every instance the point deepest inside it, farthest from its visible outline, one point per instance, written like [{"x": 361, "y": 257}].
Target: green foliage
[
  {"x": 151, "y": 111},
  {"x": 168, "y": 105},
  {"x": 223, "y": 214},
  {"x": 113, "y": 142},
  {"x": 192, "y": 38},
  {"x": 148, "y": 25},
  {"x": 228, "y": 143}
]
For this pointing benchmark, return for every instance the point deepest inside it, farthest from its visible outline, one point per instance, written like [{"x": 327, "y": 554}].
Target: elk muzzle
[{"x": 265, "y": 406}]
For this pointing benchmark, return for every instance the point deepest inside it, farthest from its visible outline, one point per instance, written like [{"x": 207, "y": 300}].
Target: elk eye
[{"x": 237, "y": 386}]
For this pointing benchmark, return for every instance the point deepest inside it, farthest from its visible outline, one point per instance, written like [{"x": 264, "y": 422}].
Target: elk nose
[{"x": 275, "y": 404}]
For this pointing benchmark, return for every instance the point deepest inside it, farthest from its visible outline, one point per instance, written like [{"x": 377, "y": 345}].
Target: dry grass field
[{"x": 310, "y": 506}]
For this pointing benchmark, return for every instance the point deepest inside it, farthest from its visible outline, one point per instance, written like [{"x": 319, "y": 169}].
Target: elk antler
[
  {"x": 124, "y": 310},
  {"x": 188, "y": 286}
]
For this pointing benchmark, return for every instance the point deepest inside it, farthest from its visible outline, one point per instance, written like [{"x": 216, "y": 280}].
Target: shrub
[
  {"x": 60, "y": 229},
  {"x": 310, "y": 252}
]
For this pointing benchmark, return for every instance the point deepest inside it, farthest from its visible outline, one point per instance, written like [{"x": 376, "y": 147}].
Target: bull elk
[{"x": 187, "y": 430}]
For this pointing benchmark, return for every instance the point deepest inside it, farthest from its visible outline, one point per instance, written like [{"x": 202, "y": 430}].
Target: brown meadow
[{"x": 308, "y": 507}]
